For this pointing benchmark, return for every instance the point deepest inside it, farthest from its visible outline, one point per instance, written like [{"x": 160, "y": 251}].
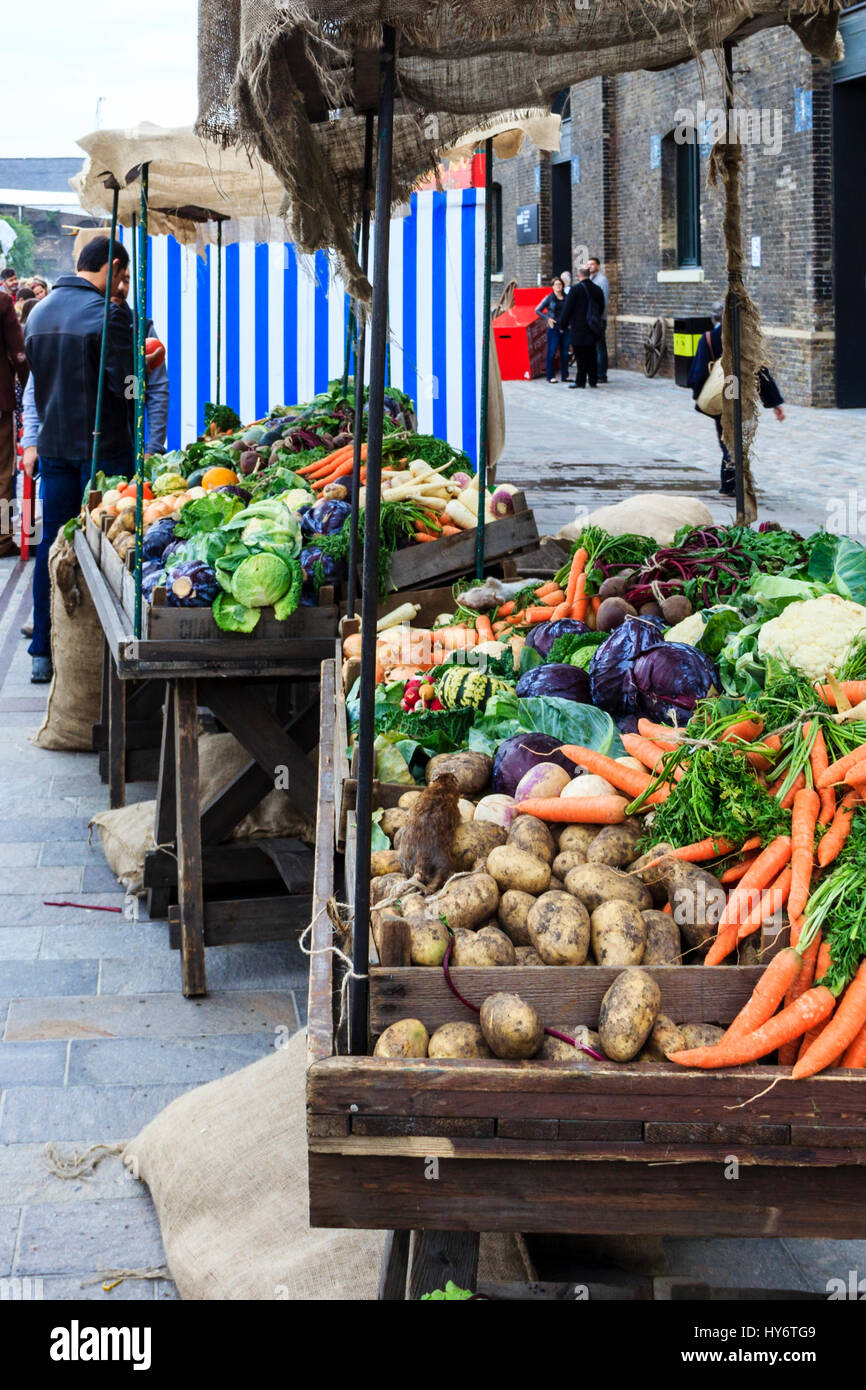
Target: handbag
[{"x": 712, "y": 392}]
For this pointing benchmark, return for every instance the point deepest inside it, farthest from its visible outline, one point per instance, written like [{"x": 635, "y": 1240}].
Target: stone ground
[{"x": 95, "y": 1036}]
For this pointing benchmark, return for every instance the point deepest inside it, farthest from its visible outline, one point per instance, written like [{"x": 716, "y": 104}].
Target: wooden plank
[
  {"x": 246, "y": 862},
  {"x": 617, "y": 1198},
  {"x": 165, "y": 827},
  {"x": 705, "y": 994},
  {"x": 516, "y": 1129},
  {"x": 218, "y": 657},
  {"x": 440, "y": 1256},
  {"x": 245, "y": 713},
  {"x": 823, "y": 1136},
  {"x": 320, "y": 1016},
  {"x": 116, "y": 738},
  {"x": 189, "y": 886},
  {"x": 111, "y": 617},
  {"x": 140, "y": 733},
  {"x": 394, "y": 942},
  {"x": 306, "y": 624},
  {"x": 597, "y": 1131},
  {"x": 141, "y": 765},
  {"x": 236, "y": 920},
  {"x": 421, "y": 1147},
  {"x": 454, "y": 556},
  {"x": 395, "y": 1267},
  {"x": 389, "y": 1126},
  {"x": 744, "y": 1133}
]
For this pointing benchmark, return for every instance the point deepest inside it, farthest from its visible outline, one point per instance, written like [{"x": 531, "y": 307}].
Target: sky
[{"x": 61, "y": 56}]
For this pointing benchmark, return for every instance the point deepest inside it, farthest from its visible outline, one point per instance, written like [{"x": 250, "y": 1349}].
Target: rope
[{"x": 77, "y": 1163}]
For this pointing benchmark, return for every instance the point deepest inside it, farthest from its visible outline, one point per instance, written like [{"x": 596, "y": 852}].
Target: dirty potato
[
  {"x": 458, "y": 1040},
  {"x": 472, "y": 770},
  {"x": 407, "y": 1038},
  {"x": 578, "y": 837},
  {"x": 428, "y": 942},
  {"x": 512, "y": 913},
  {"x": 614, "y": 845},
  {"x": 652, "y": 876},
  {"x": 514, "y": 868},
  {"x": 559, "y": 929},
  {"x": 628, "y": 1011},
  {"x": 532, "y": 835},
  {"x": 598, "y": 883},
  {"x": 665, "y": 1037},
  {"x": 512, "y": 1029},
  {"x": 662, "y": 939},
  {"x": 527, "y": 955},
  {"x": 393, "y": 820},
  {"x": 486, "y": 947},
  {"x": 566, "y": 860},
  {"x": 618, "y": 934},
  {"x": 384, "y": 861},
  {"x": 474, "y": 840},
  {"x": 465, "y": 902},
  {"x": 701, "y": 1034}
]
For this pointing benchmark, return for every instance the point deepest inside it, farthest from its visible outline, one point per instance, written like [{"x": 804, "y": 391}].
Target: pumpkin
[{"x": 218, "y": 477}]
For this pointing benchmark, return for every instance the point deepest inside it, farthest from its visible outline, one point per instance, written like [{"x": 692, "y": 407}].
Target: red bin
[{"x": 521, "y": 338}]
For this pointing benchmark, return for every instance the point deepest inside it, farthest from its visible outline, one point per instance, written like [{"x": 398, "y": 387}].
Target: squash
[{"x": 460, "y": 688}]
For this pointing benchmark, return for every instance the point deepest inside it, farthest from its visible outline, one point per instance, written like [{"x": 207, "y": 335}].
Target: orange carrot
[
  {"x": 819, "y": 762},
  {"x": 562, "y": 610},
  {"x": 833, "y": 839},
  {"x": 842, "y": 1029},
  {"x": 625, "y": 779},
  {"x": 553, "y": 599},
  {"x": 767, "y": 994},
  {"x": 595, "y": 603},
  {"x": 759, "y": 760},
  {"x": 451, "y": 530},
  {"x": 792, "y": 1022},
  {"x": 767, "y": 866},
  {"x": 736, "y": 871},
  {"x": 657, "y": 731},
  {"x": 855, "y": 1053},
  {"x": 836, "y": 771},
  {"x": 772, "y": 900},
  {"x": 648, "y": 753},
  {"x": 576, "y": 810},
  {"x": 581, "y": 602},
  {"x": 804, "y": 818},
  {"x": 745, "y": 732},
  {"x": 791, "y": 1054},
  {"x": 537, "y": 615},
  {"x": 504, "y": 609},
  {"x": 805, "y": 980},
  {"x": 550, "y": 588},
  {"x": 484, "y": 628},
  {"x": 578, "y": 565},
  {"x": 499, "y": 627},
  {"x": 855, "y": 776},
  {"x": 788, "y": 799},
  {"x": 424, "y": 536},
  {"x": 697, "y": 852},
  {"x": 854, "y": 690}
]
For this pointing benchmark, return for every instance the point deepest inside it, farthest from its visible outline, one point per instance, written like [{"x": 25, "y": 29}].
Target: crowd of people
[
  {"x": 576, "y": 318},
  {"x": 50, "y": 347}
]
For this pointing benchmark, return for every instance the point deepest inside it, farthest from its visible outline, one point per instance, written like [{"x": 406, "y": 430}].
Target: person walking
[
  {"x": 63, "y": 341},
  {"x": 709, "y": 350},
  {"x": 157, "y": 394},
  {"x": 599, "y": 278},
  {"x": 14, "y": 372},
  {"x": 582, "y": 316},
  {"x": 550, "y": 309}
]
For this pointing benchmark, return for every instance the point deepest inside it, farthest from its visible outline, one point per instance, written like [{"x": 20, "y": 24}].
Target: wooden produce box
[
  {"x": 159, "y": 622},
  {"x": 601, "y": 1148},
  {"x": 454, "y": 556}
]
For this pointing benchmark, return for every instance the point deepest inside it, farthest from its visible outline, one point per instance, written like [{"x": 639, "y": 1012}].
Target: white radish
[{"x": 589, "y": 785}]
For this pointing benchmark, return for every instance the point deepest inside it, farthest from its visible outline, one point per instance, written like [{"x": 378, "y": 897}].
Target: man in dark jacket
[
  {"x": 63, "y": 339},
  {"x": 13, "y": 368},
  {"x": 582, "y": 317},
  {"x": 709, "y": 350}
]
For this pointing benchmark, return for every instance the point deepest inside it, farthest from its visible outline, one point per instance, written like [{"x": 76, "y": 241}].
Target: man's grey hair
[
  {"x": 718, "y": 311},
  {"x": 584, "y": 272}
]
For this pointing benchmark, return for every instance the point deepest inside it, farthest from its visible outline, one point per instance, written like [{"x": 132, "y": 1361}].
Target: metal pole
[
  {"x": 734, "y": 305},
  {"x": 140, "y": 394},
  {"x": 485, "y": 358},
  {"x": 351, "y": 330},
  {"x": 359, "y": 370},
  {"x": 134, "y": 281},
  {"x": 103, "y": 347},
  {"x": 369, "y": 595},
  {"x": 219, "y": 316}
]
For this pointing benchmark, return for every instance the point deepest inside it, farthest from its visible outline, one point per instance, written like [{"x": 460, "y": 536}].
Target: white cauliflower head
[{"x": 814, "y": 635}]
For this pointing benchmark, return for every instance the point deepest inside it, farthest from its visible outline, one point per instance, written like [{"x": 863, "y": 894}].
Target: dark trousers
[
  {"x": 63, "y": 483},
  {"x": 587, "y": 364},
  {"x": 727, "y": 461},
  {"x": 601, "y": 353},
  {"x": 556, "y": 343},
  {"x": 7, "y": 479}
]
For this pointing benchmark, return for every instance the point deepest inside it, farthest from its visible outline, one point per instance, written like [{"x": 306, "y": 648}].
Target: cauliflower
[{"x": 814, "y": 635}]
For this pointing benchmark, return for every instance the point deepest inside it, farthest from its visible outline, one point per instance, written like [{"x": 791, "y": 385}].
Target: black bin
[{"x": 687, "y": 335}]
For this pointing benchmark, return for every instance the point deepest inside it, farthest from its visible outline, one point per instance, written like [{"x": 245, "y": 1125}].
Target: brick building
[{"x": 629, "y": 185}]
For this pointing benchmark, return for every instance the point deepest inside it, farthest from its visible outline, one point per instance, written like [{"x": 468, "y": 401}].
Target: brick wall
[{"x": 622, "y": 207}]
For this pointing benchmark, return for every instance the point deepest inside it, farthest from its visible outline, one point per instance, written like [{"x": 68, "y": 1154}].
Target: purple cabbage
[
  {"x": 543, "y": 635},
  {"x": 558, "y": 680},
  {"x": 158, "y": 537},
  {"x": 328, "y": 517},
  {"x": 670, "y": 679},
  {"x": 234, "y": 490},
  {"x": 610, "y": 671},
  {"x": 516, "y": 755},
  {"x": 191, "y": 584},
  {"x": 334, "y": 570}
]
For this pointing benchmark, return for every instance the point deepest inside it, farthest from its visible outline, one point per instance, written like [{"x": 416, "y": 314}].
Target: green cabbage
[
  {"x": 260, "y": 580},
  {"x": 231, "y": 616}
]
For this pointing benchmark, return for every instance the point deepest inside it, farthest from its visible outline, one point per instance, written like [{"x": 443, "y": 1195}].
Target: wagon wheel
[{"x": 654, "y": 346}]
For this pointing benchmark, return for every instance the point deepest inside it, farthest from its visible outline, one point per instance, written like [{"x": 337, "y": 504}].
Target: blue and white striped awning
[{"x": 285, "y": 317}]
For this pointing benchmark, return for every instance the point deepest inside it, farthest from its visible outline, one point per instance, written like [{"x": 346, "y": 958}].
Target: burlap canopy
[
  {"x": 285, "y": 76},
  {"x": 192, "y": 184}
]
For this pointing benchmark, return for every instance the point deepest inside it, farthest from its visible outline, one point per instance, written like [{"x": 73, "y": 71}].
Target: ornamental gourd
[{"x": 462, "y": 689}]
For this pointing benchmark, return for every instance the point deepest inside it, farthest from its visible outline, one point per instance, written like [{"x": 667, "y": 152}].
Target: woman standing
[{"x": 550, "y": 309}]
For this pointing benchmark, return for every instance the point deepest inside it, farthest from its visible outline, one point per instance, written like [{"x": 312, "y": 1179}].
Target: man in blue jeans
[{"x": 63, "y": 339}]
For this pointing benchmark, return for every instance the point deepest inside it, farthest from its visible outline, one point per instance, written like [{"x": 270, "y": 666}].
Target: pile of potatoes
[
  {"x": 630, "y": 1028},
  {"x": 547, "y": 895}
]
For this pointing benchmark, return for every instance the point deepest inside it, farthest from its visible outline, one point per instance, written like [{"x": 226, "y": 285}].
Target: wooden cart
[
  {"x": 451, "y": 557},
  {"x": 263, "y": 688},
  {"x": 450, "y": 1148}
]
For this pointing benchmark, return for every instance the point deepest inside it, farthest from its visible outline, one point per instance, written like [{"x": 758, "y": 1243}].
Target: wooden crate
[
  {"x": 453, "y": 556},
  {"x": 601, "y": 1148}
]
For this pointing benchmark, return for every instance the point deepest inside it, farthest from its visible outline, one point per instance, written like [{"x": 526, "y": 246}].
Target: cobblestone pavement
[
  {"x": 641, "y": 434},
  {"x": 95, "y": 1036}
]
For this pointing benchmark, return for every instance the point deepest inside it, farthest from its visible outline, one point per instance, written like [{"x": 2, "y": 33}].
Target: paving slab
[
  {"x": 20, "y": 943},
  {"x": 98, "y": 878},
  {"x": 32, "y": 827},
  {"x": 21, "y": 856},
  {"x": 733, "y": 1263},
  {"x": 88, "y": 1114},
  {"x": 228, "y": 967},
  {"x": 33, "y": 1063},
  {"x": 104, "y": 935},
  {"x": 9, "y": 1221},
  {"x": 25, "y": 1179},
  {"x": 155, "y": 1015},
  {"x": 25, "y": 909},
  {"x": 71, "y": 852},
  {"x": 73, "y": 1288},
  {"x": 822, "y": 1260},
  {"x": 169, "y": 1061},
  {"x": 28, "y": 978},
  {"x": 65, "y": 1239},
  {"x": 48, "y": 881}
]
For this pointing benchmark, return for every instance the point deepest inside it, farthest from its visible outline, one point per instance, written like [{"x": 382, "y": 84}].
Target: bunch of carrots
[
  {"x": 333, "y": 467},
  {"x": 552, "y": 602}
]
